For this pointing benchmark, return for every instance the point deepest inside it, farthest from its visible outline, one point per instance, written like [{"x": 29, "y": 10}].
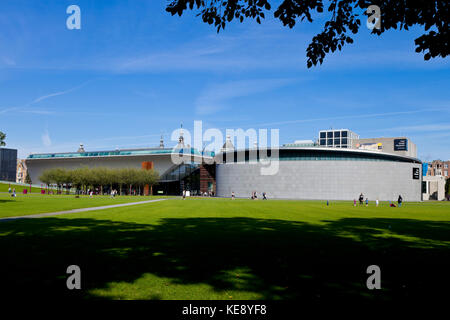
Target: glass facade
[
  {"x": 183, "y": 177},
  {"x": 136, "y": 152},
  {"x": 8, "y": 164},
  {"x": 180, "y": 172}
]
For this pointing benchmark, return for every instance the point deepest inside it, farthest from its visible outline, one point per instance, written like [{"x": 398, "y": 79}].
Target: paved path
[{"x": 78, "y": 210}]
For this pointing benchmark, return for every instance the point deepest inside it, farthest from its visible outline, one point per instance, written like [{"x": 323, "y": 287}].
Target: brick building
[{"x": 439, "y": 168}]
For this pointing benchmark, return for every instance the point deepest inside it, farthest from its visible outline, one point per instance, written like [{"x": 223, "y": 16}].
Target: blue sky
[{"x": 133, "y": 72}]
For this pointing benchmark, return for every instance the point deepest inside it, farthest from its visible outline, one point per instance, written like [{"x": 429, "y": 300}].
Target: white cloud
[
  {"x": 420, "y": 128},
  {"x": 357, "y": 116},
  {"x": 44, "y": 97},
  {"x": 41, "y": 98},
  {"x": 31, "y": 111},
  {"x": 216, "y": 97},
  {"x": 8, "y": 61},
  {"x": 46, "y": 139}
]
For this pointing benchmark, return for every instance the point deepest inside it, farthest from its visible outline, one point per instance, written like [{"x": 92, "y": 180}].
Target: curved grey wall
[{"x": 322, "y": 179}]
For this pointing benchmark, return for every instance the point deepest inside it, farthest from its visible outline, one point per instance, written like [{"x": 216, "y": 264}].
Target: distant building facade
[
  {"x": 174, "y": 178},
  {"x": 345, "y": 138},
  {"x": 338, "y": 166},
  {"x": 439, "y": 168},
  {"x": 397, "y": 145},
  {"x": 8, "y": 163}
]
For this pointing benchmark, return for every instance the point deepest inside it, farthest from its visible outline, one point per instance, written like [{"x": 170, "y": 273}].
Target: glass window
[
  {"x": 344, "y": 140},
  {"x": 329, "y": 134},
  {"x": 337, "y": 134},
  {"x": 323, "y": 135},
  {"x": 330, "y": 142},
  {"x": 322, "y": 142},
  {"x": 344, "y": 133},
  {"x": 337, "y": 141},
  {"x": 343, "y": 146},
  {"x": 424, "y": 187}
]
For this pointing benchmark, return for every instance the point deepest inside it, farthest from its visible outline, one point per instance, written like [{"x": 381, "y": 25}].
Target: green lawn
[
  {"x": 28, "y": 204},
  {"x": 19, "y": 188},
  {"x": 224, "y": 249}
]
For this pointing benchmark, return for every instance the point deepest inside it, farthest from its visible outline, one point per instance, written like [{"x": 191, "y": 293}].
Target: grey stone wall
[{"x": 322, "y": 179}]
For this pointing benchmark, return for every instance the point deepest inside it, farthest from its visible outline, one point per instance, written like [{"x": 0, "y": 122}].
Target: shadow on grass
[
  {"x": 283, "y": 259},
  {"x": 6, "y": 200}
]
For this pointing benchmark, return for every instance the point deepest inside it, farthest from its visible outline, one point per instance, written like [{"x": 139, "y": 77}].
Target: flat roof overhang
[{"x": 328, "y": 149}]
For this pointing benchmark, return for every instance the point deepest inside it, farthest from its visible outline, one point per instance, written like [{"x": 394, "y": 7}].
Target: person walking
[
  {"x": 367, "y": 202},
  {"x": 232, "y": 195},
  {"x": 354, "y": 202},
  {"x": 376, "y": 202},
  {"x": 9, "y": 190},
  {"x": 264, "y": 196},
  {"x": 361, "y": 199},
  {"x": 400, "y": 200}
]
